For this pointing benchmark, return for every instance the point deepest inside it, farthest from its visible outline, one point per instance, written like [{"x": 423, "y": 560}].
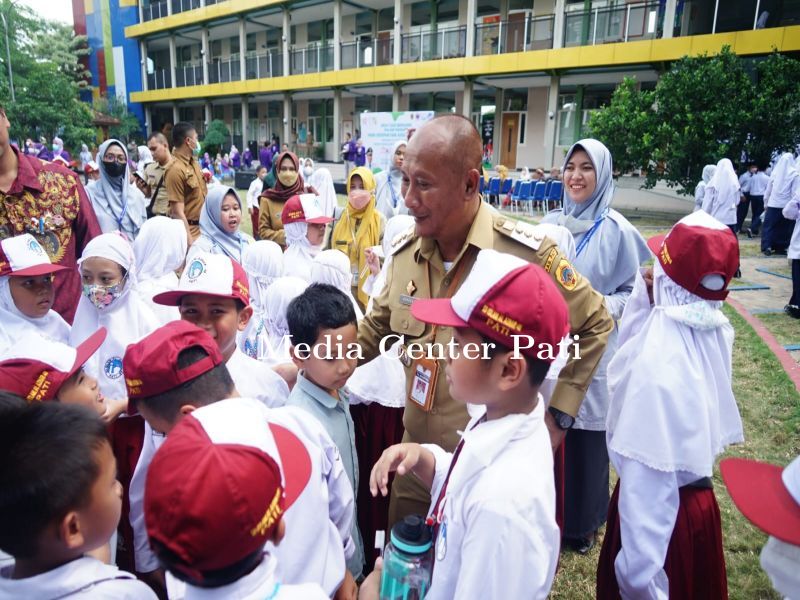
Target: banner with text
[{"x": 381, "y": 130}]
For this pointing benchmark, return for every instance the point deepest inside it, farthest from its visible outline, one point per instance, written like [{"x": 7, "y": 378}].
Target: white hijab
[
  {"x": 263, "y": 263},
  {"x": 333, "y": 267},
  {"x": 388, "y": 188},
  {"x": 782, "y": 177},
  {"x": 672, "y": 406},
  {"x": 160, "y": 250},
  {"x": 127, "y": 320},
  {"x": 13, "y": 323},
  {"x": 145, "y": 158},
  {"x": 279, "y": 295},
  {"x": 322, "y": 181},
  {"x": 299, "y": 251},
  {"x": 722, "y": 191}
]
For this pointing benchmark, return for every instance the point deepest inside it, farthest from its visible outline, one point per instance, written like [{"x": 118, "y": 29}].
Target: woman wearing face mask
[
  {"x": 219, "y": 225},
  {"x": 608, "y": 251},
  {"x": 388, "y": 183},
  {"x": 118, "y": 204},
  {"x": 288, "y": 182},
  {"x": 359, "y": 227}
]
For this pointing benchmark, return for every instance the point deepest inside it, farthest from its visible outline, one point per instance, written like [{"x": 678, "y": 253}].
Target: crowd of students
[{"x": 206, "y": 425}]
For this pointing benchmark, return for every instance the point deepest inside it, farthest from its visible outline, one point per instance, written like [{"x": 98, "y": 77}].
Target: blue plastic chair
[
  {"x": 554, "y": 193},
  {"x": 547, "y": 187},
  {"x": 481, "y": 185},
  {"x": 524, "y": 195},
  {"x": 538, "y": 193},
  {"x": 506, "y": 186},
  {"x": 494, "y": 188}
]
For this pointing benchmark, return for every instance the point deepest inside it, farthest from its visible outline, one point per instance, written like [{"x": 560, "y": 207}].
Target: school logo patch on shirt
[
  {"x": 565, "y": 275},
  {"x": 113, "y": 367},
  {"x": 196, "y": 269}
]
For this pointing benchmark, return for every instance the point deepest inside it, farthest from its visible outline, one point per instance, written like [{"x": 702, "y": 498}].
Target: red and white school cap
[
  {"x": 700, "y": 254},
  {"x": 35, "y": 368},
  {"x": 23, "y": 255},
  {"x": 502, "y": 297},
  {"x": 304, "y": 208},
  {"x": 766, "y": 494},
  {"x": 209, "y": 275},
  {"x": 220, "y": 483}
]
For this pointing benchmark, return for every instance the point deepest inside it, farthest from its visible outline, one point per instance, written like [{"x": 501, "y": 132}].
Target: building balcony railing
[
  {"x": 260, "y": 66},
  {"x": 314, "y": 58},
  {"x": 155, "y": 10},
  {"x": 159, "y": 79},
  {"x": 435, "y": 45},
  {"x": 179, "y": 6},
  {"x": 189, "y": 75},
  {"x": 514, "y": 35},
  {"x": 609, "y": 25},
  {"x": 367, "y": 52},
  {"x": 223, "y": 71}
]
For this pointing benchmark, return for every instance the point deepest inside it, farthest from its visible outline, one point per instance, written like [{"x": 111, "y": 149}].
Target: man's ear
[
  {"x": 187, "y": 409},
  {"x": 70, "y": 532},
  {"x": 472, "y": 180},
  {"x": 296, "y": 358},
  {"x": 512, "y": 370},
  {"x": 244, "y": 317},
  {"x": 279, "y": 532}
]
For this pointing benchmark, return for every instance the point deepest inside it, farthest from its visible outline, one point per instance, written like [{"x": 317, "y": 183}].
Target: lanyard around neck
[{"x": 585, "y": 240}]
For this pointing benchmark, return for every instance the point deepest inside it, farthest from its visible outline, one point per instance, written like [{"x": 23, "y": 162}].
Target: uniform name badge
[
  {"x": 354, "y": 273},
  {"x": 423, "y": 385}
]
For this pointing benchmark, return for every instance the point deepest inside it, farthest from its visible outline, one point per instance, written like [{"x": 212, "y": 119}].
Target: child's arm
[{"x": 403, "y": 458}]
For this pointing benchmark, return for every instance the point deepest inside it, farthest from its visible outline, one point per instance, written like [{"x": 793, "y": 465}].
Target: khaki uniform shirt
[
  {"x": 270, "y": 226},
  {"x": 415, "y": 257},
  {"x": 185, "y": 183},
  {"x": 154, "y": 174}
]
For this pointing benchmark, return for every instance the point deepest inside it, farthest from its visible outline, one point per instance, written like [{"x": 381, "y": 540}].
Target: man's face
[
  {"x": 432, "y": 193},
  {"x": 159, "y": 151}
]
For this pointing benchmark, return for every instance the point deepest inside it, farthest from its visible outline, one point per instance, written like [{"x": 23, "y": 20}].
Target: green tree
[
  {"x": 115, "y": 107},
  {"x": 216, "y": 137}
]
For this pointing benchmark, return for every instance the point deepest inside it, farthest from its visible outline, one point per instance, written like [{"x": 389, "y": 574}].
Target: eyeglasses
[{"x": 120, "y": 158}]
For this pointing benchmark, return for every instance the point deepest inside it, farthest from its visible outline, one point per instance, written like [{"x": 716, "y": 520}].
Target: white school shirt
[
  {"x": 260, "y": 584},
  {"x": 253, "y": 192},
  {"x": 84, "y": 577},
  {"x": 499, "y": 537},
  {"x": 758, "y": 184},
  {"x": 256, "y": 379},
  {"x": 792, "y": 211},
  {"x": 772, "y": 200},
  {"x": 744, "y": 182},
  {"x": 321, "y": 518}
]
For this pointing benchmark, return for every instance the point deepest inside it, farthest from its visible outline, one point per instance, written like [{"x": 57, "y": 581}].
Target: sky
[{"x": 57, "y": 10}]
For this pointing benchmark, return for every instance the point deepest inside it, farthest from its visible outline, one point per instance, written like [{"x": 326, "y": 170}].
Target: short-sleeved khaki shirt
[
  {"x": 155, "y": 174},
  {"x": 185, "y": 183}
]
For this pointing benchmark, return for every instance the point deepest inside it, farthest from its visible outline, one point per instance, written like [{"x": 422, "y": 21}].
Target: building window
[
  {"x": 566, "y": 120},
  {"x": 364, "y": 23},
  {"x": 251, "y": 42},
  {"x": 234, "y": 41},
  {"x": 523, "y": 124},
  {"x": 386, "y": 19},
  {"x": 216, "y": 48}
]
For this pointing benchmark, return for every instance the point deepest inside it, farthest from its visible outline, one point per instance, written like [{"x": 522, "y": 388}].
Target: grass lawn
[{"x": 785, "y": 329}]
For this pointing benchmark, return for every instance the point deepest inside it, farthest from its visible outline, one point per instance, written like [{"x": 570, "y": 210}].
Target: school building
[{"x": 528, "y": 72}]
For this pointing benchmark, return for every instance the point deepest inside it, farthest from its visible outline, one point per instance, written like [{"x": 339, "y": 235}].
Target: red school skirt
[
  {"x": 695, "y": 564},
  {"x": 127, "y": 439}
]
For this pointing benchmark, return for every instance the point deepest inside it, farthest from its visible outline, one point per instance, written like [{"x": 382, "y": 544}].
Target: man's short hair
[
  {"x": 181, "y": 131},
  {"x": 320, "y": 306},
  {"x": 48, "y": 469},
  {"x": 158, "y": 137},
  {"x": 210, "y": 387}
]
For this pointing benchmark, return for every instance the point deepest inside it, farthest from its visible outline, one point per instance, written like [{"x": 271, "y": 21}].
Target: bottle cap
[{"x": 411, "y": 535}]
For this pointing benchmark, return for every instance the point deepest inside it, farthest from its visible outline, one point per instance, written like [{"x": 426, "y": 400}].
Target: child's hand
[
  {"x": 114, "y": 408},
  {"x": 370, "y": 587},
  {"x": 373, "y": 262},
  {"x": 348, "y": 590},
  {"x": 401, "y": 458}
]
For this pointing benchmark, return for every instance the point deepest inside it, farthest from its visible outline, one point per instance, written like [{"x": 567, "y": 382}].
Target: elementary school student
[
  {"x": 179, "y": 369},
  {"x": 322, "y": 323},
  {"x": 59, "y": 500},
  {"x": 671, "y": 412},
  {"x": 214, "y": 500},
  {"x": 493, "y": 510}
]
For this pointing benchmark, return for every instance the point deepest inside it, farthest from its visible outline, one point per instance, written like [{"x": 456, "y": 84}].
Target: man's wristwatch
[{"x": 562, "y": 419}]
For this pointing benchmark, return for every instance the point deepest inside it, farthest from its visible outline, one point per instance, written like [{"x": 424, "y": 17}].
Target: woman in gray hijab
[
  {"x": 609, "y": 251},
  {"x": 118, "y": 204}
]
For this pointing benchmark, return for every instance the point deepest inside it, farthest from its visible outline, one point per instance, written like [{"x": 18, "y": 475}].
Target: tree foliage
[
  {"x": 114, "y": 106},
  {"x": 702, "y": 109},
  {"x": 216, "y": 137}
]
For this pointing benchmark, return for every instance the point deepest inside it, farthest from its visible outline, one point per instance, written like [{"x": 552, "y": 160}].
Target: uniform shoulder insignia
[
  {"x": 522, "y": 232},
  {"x": 401, "y": 239}
]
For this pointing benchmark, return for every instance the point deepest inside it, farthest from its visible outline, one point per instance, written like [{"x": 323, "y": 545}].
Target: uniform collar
[
  {"x": 481, "y": 235},
  {"x": 27, "y": 173},
  {"x": 317, "y": 393},
  {"x": 180, "y": 156}
]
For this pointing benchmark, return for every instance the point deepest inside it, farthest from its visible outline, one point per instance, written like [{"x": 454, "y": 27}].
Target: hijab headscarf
[
  {"x": 160, "y": 250},
  {"x": 782, "y": 178},
  {"x": 670, "y": 381},
  {"x": 389, "y": 194},
  {"x": 333, "y": 267},
  {"x": 322, "y": 182},
  {"x": 145, "y": 158},
  {"x": 232, "y": 244},
  {"x": 278, "y": 192},
  {"x": 117, "y": 197},
  {"x": 263, "y": 263},
  {"x": 282, "y": 291},
  {"x": 85, "y": 156},
  {"x": 14, "y": 323},
  {"x": 700, "y": 189},
  {"x": 526, "y": 174},
  {"x": 722, "y": 193},
  {"x": 127, "y": 319},
  {"x": 299, "y": 251},
  {"x": 358, "y": 230}
]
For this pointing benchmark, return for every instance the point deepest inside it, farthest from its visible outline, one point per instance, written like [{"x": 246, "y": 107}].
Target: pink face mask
[{"x": 359, "y": 198}]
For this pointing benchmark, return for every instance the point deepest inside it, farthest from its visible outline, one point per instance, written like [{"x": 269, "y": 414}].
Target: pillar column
[
  {"x": 337, "y": 35},
  {"x": 143, "y": 54},
  {"x": 173, "y": 61},
  {"x": 472, "y": 9},
  {"x": 208, "y": 114},
  {"x": 551, "y": 123},
  {"x": 148, "y": 120},
  {"x": 287, "y": 38},
  {"x": 242, "y": 50},
  {"x": 176, "y": 115},
  {"x": 466, "y": 101},
  {"x": 498, "y": 125},
  {"x": 398, "y": 31},
  {"x": 245, "y": 123},
  {"x": 669, "y": 18},
  {"x": 576, "y": 131},
  {"x": 397, "y": 90},
  {"x": 287, "y": 118},
  {"x": 558, "y": 24},
  {"x": 337, "y": 123},
  {"x": 205, "y": 54}
]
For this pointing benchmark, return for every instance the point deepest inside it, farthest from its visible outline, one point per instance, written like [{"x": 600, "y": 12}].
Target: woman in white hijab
[
  {"x": 220, "y": 225},
  {"x": 608, "y": 253},
  {"x": 322, "y": 181},
  {"x": 118, "y": 204},
  {"x": 700, "y": 188},
  {"x": 263, "y": 263},
  {"x": 160, "y": 251},
  {"x": 672, "y": 413},
  {"x": 333, "y": 267},
  {"x": 282, "y": 291},
  {"x": 388, "y": 184},
  {"x": 784, "y": 184},
  {"x": 145, "y": 158},
  {"x": 722, "y": 194}
]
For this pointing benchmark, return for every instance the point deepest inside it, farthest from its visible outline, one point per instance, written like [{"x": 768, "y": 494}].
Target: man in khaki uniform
[
  {"x": 186, "y": 188},
  {"x": 155, "y": 174},
  {"x": 452, "y": 225}
]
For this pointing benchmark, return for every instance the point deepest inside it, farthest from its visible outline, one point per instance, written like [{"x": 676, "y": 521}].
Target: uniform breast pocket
[
  {"x": 402, "y": 322},
  {"x": 191, "y": 180}
]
